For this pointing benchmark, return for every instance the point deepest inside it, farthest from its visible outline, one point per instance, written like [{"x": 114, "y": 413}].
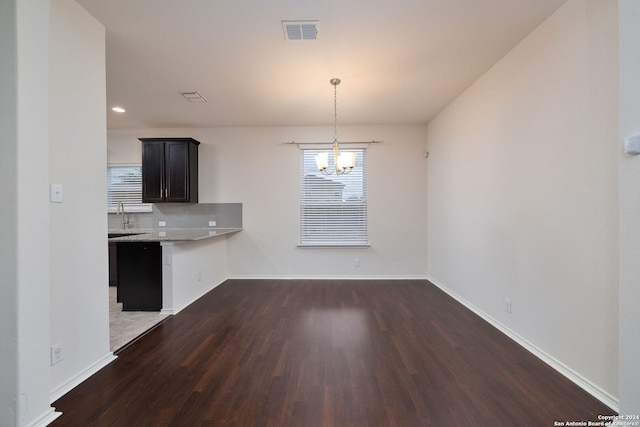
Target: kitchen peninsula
[{"x": 165, "y": 269}]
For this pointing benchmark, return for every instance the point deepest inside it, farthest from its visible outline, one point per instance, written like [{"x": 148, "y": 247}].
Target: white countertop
[{"x": 169, "y": 234}]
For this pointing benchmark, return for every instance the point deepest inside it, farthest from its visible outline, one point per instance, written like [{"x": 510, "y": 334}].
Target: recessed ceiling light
[
  {"x": 193, "y": 97},
  {"x": 118, "y": 109}
]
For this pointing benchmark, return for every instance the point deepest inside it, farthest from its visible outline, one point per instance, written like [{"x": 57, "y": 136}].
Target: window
[
  {"x": 333, "y": 208},
  {"x": 124, "y": 184}
]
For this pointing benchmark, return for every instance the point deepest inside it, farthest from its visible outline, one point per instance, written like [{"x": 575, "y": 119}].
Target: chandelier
[{"x": 343, "y": 163}]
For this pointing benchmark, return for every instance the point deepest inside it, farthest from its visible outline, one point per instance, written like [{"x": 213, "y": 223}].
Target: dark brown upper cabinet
[{"x": 169, "y": 170}]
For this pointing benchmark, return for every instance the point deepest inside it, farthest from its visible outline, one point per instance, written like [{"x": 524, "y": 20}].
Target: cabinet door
[
  {"x": 169, "y": 170},
  {"x": 140, "y": 276},
  {"x": 153, "y": 172},
  {"x": 177, "y": 171}
]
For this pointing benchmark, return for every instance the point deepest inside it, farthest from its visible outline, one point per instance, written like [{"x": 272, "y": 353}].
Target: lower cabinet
[
  {"x": 140, "y": 276},
  {"x": 113, "y": 264}
]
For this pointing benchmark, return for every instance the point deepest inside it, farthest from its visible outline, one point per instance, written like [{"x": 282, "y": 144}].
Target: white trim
[
  {"x": 123, "y": 165},
  {"x": 45, "y": 419},
  {"x": 60, "y": 391},
  {"x": 582, "y": 382},
  {"x": 333, "y": 209},
  {"x": 329, "y": 245},
  {"x": 125, "y": 192},
  {"x": 173, "y": 311},
  {"x": 142, "y": 207},
  {"x": 376, "y": 277}
]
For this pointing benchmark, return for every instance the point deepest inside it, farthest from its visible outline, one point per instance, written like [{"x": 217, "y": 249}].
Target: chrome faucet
[{"x": 120, "y": 211}]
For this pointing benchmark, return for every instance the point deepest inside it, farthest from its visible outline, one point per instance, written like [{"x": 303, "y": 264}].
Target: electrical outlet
[
  {"x": 162, "y": 223},
  {"x": 356, "y": 262},
  {"x": 212, "y": 223},
  {"x": 56, "y": 353},
  {"x": 507, "y": 305}
]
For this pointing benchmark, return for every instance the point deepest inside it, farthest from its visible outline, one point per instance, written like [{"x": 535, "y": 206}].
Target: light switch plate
[
  {"x": 56, "y": 354},
  {"x": 632, "y": 145},
  {"x": 56, "y": 193},
  {"x": 162, "y": 223}
]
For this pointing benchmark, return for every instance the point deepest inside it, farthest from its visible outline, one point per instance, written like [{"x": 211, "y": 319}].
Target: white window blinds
[
  {"x": 124, "y": 184},
  {"x": 333, "y": 208}
]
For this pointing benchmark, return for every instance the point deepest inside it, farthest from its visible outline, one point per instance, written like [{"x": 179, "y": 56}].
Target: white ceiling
[{"x": 400, "y": 62}]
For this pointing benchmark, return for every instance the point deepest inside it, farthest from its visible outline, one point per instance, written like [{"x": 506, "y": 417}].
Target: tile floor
[{"x": 124, "y": 326}]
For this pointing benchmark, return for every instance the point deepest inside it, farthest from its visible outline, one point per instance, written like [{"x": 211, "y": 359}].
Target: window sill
[
  {"x": 334, "y": 246},
  {"x": 133, "y": 209}
]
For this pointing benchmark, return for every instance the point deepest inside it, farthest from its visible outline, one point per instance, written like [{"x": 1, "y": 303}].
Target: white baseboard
[
  {"x": 184, "y": 305},
  {"x": 591, "y": 388},
  {"x": 60, "y": 391},
  {"x": 378, "y": 277},
  {"x": 45, "y": 419}
]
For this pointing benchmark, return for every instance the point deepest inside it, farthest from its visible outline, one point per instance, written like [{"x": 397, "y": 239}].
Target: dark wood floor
[{"x": 326, "y": 353}]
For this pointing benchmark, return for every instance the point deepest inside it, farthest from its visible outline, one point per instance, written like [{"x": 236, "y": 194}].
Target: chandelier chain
[
  {"x": 335, "y": 111},
  {"x": 343, "y": 163}
]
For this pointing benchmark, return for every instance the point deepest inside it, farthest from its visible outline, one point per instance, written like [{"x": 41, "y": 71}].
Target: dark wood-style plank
[{"x": 326, "y": 353}]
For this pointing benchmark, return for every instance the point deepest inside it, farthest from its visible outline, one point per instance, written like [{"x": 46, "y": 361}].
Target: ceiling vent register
[
  {"x": 193, "y": 97},
  {"x": 300, "y": 30}
]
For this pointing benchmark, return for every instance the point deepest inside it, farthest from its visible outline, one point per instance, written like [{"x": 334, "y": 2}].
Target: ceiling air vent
[
  {"x": 193, "y": 97},
  {"x": 300, "y": 30}
]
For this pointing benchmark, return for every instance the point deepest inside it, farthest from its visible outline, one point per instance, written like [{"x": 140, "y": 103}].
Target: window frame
[
  {"x": 128, "y": 206},
  {"x": 317, "y": 193}
]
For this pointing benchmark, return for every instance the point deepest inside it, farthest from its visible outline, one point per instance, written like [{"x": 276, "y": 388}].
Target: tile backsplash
[{"x": 183, "y": 215}]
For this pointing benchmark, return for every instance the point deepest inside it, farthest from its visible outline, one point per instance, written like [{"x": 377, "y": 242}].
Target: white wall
[
  {"x": 24, "y": 249},
  {"x": 196, "y": 268},
  {"x": 522, "y": 185},
  {"x": 53, "y": 128},
  {"x": 254, "y": 167},
  {"x": 8, "y": 212},
  {"x": 629, "y": 18},
  {"x": 77, "y": 148},
  {"x": 24, "y": 399}
]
